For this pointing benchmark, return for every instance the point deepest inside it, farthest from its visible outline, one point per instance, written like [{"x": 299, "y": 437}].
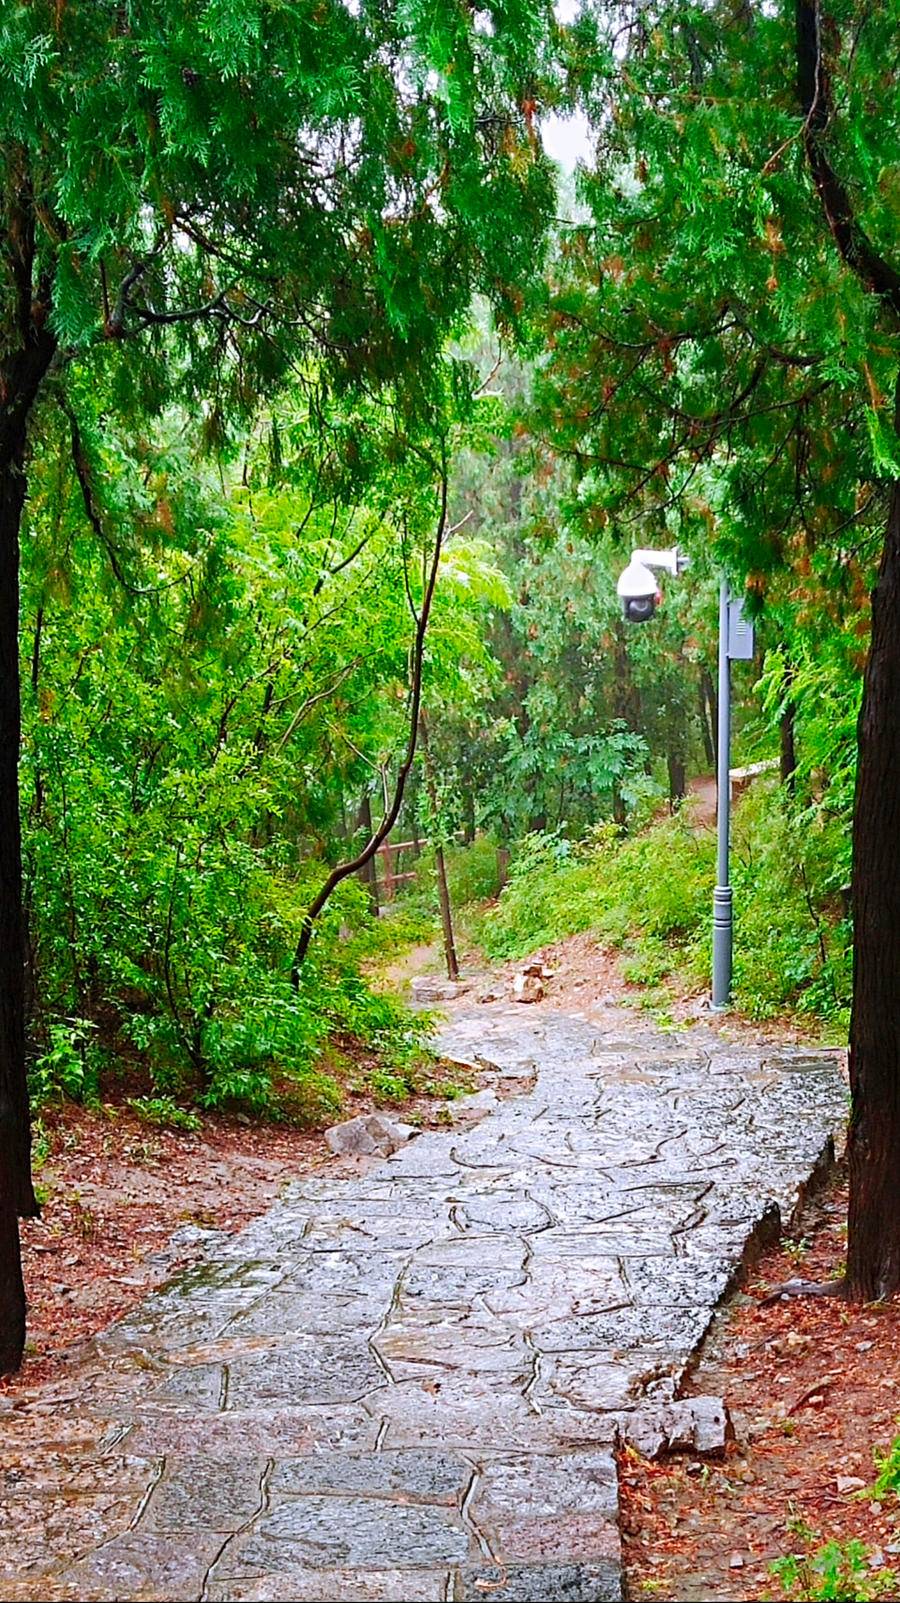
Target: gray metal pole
[{"x": 722, "y": 898}]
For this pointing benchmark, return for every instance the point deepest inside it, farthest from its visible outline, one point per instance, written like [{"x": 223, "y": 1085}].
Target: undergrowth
[
  {"x": 832, "y": 1572},
  {"x": 650, "y": 895},
  {"x": 221, "y": 1027}
]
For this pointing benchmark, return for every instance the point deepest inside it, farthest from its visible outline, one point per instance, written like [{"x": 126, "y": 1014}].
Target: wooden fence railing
[
  {"x": 389, "y": 876},
  {"x": 389, "y": 852}
]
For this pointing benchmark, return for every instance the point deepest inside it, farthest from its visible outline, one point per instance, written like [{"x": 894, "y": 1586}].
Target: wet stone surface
[{"x": 407, "y": 1384}]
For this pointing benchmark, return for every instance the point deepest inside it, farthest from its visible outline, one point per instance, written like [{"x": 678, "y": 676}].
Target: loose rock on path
[{"x": 408, "y": 1384}]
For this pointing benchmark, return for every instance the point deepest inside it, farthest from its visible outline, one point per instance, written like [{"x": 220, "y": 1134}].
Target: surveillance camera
[
  {"x": 638, "y": 609},
  {"x": 638, "y": 592}
]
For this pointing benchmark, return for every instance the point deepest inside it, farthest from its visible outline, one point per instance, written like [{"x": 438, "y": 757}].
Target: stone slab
[
  {"x": 322, "y": 1532},
  {"x": 549, "y": 1583},
  {"x": 335, "y": 1586}
]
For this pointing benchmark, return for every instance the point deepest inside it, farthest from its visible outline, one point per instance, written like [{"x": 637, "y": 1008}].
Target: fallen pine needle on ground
[{"x": 813, "y": 1385}]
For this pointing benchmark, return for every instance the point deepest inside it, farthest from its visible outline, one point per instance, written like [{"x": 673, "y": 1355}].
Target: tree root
[{"x": 804, "y": 1288}]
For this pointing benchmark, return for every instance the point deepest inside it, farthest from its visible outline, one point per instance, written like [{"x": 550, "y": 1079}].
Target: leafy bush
[
  {"x": 185, "y": 950},
  {"x": 473, "y": 871},
  {"x": 68, "y": 1067},
  {"x": 793, "y": 936},
  {"x": 655, "y": 883}
]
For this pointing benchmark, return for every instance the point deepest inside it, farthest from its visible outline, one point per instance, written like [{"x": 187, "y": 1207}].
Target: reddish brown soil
[
  {"x": 584, "y": 974},
  {"x": 114, "y": 1190},
  {"x": 813, "y": 1386},
  {"x": 588, "y": 977}
]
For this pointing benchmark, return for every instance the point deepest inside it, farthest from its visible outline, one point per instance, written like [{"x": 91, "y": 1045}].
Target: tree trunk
[
  {"x": 873, "y": 1246},
  {"x": 626, "y": 695},
  {"x": 677, "y": 777},
  {"x": 708, "y": 716},
  {"x": 620, "y": 815},
  {"x": 12, "y": 1290},
  {"x": 13, "y": 1085},
  {"x": 16, "y": 1191},
  {"x": 440, "y": 865},
  {"x": 446, "y": 915},
  {"x": 368, "y": 873},
  {"x": 788, "y": 762},
  {"x": 502, "y": 867},
  {"x": 468, "y": 813}
]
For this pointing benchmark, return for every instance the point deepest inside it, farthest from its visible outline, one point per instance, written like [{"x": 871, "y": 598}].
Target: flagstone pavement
[{"x": 406, "y": 1382}]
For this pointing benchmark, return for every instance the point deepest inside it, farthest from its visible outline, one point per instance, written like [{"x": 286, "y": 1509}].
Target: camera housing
[{"x": 638, "y": 592}]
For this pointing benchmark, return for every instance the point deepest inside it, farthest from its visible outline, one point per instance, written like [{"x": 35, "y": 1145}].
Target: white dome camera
[{"x": 638, "y": 591}]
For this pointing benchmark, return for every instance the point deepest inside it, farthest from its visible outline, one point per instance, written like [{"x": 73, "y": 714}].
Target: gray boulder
[
  {"x": 368, "y": 1135},
  {"x": 700, "y": 1425}
]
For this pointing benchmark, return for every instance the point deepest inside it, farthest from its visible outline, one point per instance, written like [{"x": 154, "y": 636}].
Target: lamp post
[
  {"x": 723, "y": 909},
  {"x": 639, "y": 594}
]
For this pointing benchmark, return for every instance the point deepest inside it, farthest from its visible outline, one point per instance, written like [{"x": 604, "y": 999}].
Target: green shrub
[
  {"x": 473, "y": 872},
  {"x": 164, "y": 1113},
  {"x": 837, "y": 1571},
  {"x": 655, "y": 883},
  {"x": 68, "y": 1067}
]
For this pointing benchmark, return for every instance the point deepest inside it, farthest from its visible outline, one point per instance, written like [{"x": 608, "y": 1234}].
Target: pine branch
[{"x": 814, "y": 88}]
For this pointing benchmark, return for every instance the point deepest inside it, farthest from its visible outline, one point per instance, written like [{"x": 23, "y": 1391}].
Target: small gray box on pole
[{"x": 741, "y": 644}]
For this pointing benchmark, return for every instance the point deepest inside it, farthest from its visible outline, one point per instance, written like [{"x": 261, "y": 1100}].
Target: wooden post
[
  {"x": 386, "y": 851},
  {"x": 368, "y": 873},
  {"x": 440, "y": 865}
]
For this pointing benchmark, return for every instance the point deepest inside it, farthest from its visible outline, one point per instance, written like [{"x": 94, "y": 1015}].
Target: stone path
[{"x": 406, "y": 1384}]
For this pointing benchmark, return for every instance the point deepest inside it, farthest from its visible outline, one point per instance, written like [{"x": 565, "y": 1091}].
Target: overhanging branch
[
  {"x": 877, "y": 275},
  {"x": 352, "y": 865}
]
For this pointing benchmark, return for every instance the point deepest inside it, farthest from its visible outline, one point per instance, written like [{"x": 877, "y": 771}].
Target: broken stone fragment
[
  {"x": 367, "y": 1135},
  {"x": 527, "y": 988},
  {"x": 692, "y": 1425},
  {"x": 470, "y": 1109},
  {"x": 429, "y": 988},
  {"x": 538, "y": 971}
]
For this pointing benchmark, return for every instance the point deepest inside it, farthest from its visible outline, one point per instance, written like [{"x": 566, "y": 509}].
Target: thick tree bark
[
  {"x": 16, "y": 1190},
  {"x": 12, "y": 1290},
  {"x": 13, "y": 1086},
  {"x": 24, "y": 362},
  {"x": 873, "y": 1255},
  {"x": 873, "y": 1239}
]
